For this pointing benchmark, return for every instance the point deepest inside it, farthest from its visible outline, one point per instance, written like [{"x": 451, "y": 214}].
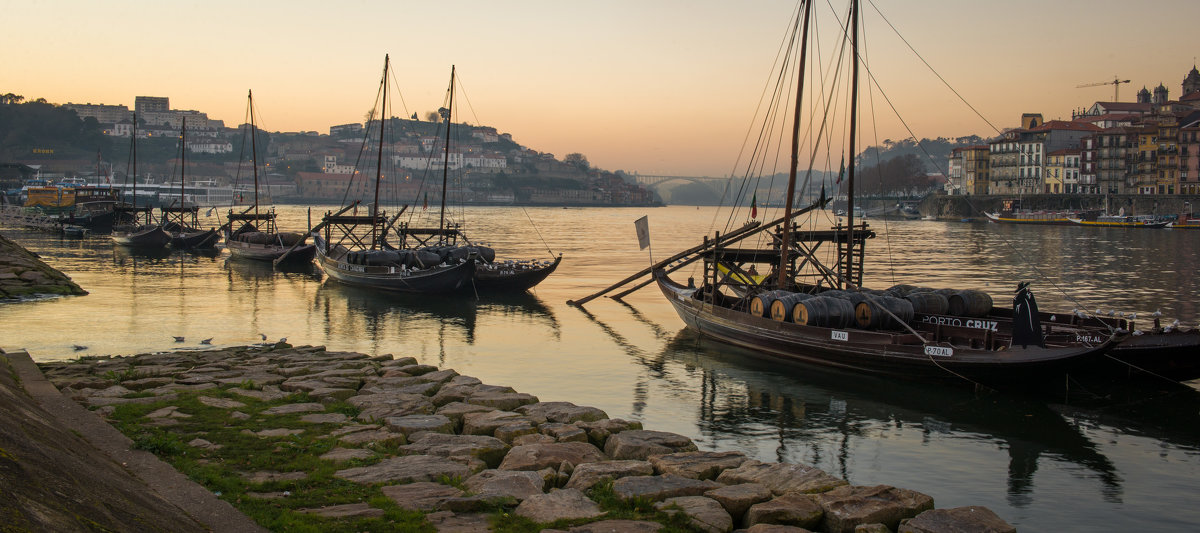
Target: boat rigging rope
[{"x": 535, "y": 230}]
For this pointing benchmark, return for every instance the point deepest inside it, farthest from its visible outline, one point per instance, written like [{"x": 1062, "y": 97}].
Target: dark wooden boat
[
  {"x": 139, "y": 230},
  {"x": 182, "y": 222},
  {"x": 254, "y": 235},
  {"x": 827, "y": 317},
  {"x": 353, "y": 249},
  {"x": 492, "y": 274}
]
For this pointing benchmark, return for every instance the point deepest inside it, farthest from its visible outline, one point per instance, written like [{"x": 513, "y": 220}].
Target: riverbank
[
  {"x": 24, "y": 275},
  {"x": 304, "y": 437}
]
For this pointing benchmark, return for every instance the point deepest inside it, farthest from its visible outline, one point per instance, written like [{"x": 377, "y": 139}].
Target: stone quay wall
[
  {"x": 24, "y": 275},
  {"x": 466, "y": 454},
  {"x": 958, "y": 207}
]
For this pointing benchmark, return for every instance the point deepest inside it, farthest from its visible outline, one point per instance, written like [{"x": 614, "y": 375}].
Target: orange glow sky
[{"x": 658, "y": 87}]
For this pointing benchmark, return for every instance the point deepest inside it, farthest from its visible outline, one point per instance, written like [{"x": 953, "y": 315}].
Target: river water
[{"x": 1102, "y": 460}]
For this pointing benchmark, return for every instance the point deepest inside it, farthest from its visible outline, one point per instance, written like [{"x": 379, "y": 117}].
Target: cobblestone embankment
[
  {"x": 23, "y": 275},
  {"x": 358, "y": 441}
]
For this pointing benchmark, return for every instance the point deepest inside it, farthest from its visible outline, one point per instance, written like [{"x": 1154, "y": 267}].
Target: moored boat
[
  {"x": 252, "y": 234},
  {"x": 491, "y": 274},
  {"x": 138, "y": 229},
  {"x": 826, "y": 316},
  {"x": 1123, "y": 221},
  {"x": 182, "y": 222},
  {"x": 353, "y": 249}
]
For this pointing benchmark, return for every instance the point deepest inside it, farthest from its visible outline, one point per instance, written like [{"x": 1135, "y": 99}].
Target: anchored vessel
[
  {"x": 806, "y": 310},
  {"x": 252, "y": 234}
]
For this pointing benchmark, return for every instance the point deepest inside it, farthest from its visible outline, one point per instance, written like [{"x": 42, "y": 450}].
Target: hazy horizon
[{"x": 656, "y": 88}]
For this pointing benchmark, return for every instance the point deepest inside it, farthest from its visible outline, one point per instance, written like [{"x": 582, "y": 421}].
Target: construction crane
[{"x": 1116, "y": 83}]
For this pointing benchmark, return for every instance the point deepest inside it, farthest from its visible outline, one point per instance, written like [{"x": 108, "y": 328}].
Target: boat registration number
[
  {"x": 352, "y": 268},
  {"x": 839, "y": 335},
  {"x": 940, "y": 351}
]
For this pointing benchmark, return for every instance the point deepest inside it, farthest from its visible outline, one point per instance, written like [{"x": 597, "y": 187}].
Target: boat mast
[
  {"x": 379, "y": 160},
  {"x": 253, "y": 155},
  {"x": 786, "y": 246},
  {"x": 849, "y": 275},
  {"x": 182, "y": 168},
  {"x": 135, "y": 168},
  {"x": 446, "y": 160}
]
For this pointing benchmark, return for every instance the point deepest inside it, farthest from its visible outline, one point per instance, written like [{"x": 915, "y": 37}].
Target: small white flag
[{"x": 643, "y": 231}]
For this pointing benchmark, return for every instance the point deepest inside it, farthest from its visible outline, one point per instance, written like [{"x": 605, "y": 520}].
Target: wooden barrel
[
  {"x": 871, "y": 314},
  {"x": 781, "y": 308},
  {"x": 901, "y": 290},
  {"x": 970, "y": 302},
  {"x": 761, "y": 305},
  {"x": 824, "y": 312},
  {"x": 947, "y": 292},
  {"x": 929, "y": 303}
]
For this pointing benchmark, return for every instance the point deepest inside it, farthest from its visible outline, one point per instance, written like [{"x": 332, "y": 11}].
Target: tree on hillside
[
  {"x": 11, "y": 98},
  {"x": 898, "y": 175},
  {"x": 433, "y": 116},
  {"x": 577, "y": 160}
]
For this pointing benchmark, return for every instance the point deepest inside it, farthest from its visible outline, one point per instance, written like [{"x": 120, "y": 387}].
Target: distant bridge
[{"x": 653, "y": 181}]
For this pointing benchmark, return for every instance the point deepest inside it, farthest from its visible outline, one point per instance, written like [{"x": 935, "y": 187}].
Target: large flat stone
[
  {"x": 405, "y": 469},
  {"x": 792, "y": 509},
  {"x": 349, "y": 510},
  {"x": 618, "y": 526},
  {"x": 660, "y": 487},
  {"x": 704, "y": 514},
  {"x": 294, "y": 408},
  {"x": 737, "y": 499},
  {"x": 599, "y": 431},
  {"x": 518, "y": 485},
  {"x": 341, "y": 455},
  {"x": 970, "y": 519},
  {"x": 487, "y": 422},
  {"x": 781, "y": 478},
  {"x": 506, "y": 401},
  {"x": 587, "y": 475},
  {"x": 697, "y": 465},
  {"x": 561, "y": 412},
  {"x": 490, "y": 450},
  {"x": 373, "y": 437},
  {"x": 641, "y": 444},
  {"x": 539, "y": 456},
  {"x": 563, "y": 504},
  {"x": 420, "y": 496},
  {"x": 848, "y": 506},
  {"x": 408, "y": 425}
]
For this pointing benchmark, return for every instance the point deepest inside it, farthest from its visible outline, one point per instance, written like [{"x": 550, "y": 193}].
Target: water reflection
[{"x": 820, "y": 415}]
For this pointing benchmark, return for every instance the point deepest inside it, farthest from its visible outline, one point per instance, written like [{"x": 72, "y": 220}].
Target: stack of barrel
[
  {"x": 955, "y": 302},
  {"x": 889, "y": 309}
]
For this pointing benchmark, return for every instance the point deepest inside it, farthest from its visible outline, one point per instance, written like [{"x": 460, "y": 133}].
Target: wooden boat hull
[
  {"x": 1105, "y": 224},
  {"x": 153, "y": 237},
  {"x": 1173, "y": 355},
  {"x": 495, "y": 277},
  {"x": 270, "y": 252},
  {"x": 1048, "y": 221},
  {"x": 440, "y": 279},
  {"x": 195, "y": 239},
  {"x": 894, "y": 354}
]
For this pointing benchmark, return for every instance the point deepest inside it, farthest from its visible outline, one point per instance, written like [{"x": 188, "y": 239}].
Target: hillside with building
[
  {"x": 485, "y": 166},
  {"x": 1147, "y": 147}
]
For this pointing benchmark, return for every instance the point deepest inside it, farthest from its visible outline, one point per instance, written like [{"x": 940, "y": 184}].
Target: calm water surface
[{"x": 1126, "y": 460}]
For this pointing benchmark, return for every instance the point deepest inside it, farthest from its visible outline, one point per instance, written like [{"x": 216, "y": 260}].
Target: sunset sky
[{"x": 658, "y": 87}]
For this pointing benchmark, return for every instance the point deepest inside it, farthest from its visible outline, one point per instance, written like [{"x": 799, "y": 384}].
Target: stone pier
[{"x": 302, "y": 435}]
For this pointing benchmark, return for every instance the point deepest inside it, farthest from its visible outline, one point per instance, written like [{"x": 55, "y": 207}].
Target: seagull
[
  {"x": 79, "y": 348},
  {"x": 282, "y": 340},
  {"x": 178, "y": 339},
  {"x": 1175, "y": 323},
  {"x": 1156, "y": 313},
  {"x": 1133, "y": 316},
  {"x": 1053, "y": 318},
  {"x": 1121, "y": 314},
  {"x": 263, "y": 335},
  {"x": 1112, "y": 312},
  {"x": 206, "y": 341}
]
